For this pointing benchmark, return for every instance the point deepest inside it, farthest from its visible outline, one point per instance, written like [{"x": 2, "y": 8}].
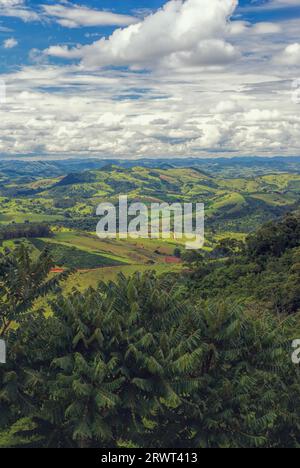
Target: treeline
[
  {"x": 27, "y": 230},
  {"x": 85, "y": 223},
  {"x": 275, "y": 238},
  {"x": 264, "y": 270}
]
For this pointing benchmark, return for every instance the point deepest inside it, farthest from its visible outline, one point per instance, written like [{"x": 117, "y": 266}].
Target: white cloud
[
  {"x": 124, "y": 114},
  {"x": 10, "y": 43},
  {"x": 282, "y": 3},
  {"x": 11, "y": 3},
  {"x": 212, "y": 84},
  {"x": 191, "y": 31},
  {"x": 258, "y": 115},
  {"x": 238, "y": 27},
  {"x": 17, "y": 9},
  {"x": 5, "y": 29},
  {"x": 66, "y": 14},
  {"x": 227, "y": 107},
  {"x": 270, "y": 5},
  {"x": 75, "y": 16},
  {"x": 290, "y": 55},
  {"x": 266, "y": 28}
]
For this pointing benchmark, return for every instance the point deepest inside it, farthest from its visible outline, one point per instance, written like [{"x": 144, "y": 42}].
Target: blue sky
[
  {"x": 45, "y": 31},
  {"x": 150, "y": 78}
]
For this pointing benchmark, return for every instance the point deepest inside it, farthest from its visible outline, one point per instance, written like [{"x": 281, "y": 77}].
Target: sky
[{"x": 155, "y": 78}]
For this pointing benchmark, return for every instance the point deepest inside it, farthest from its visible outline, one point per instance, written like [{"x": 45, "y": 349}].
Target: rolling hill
[
  {"x": 67, "y": 202},
  {"x": 237, "y": 203}
]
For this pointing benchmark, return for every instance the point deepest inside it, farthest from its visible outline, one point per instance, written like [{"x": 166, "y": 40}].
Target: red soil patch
[
  {"x": 80, "y": 270},
  {"x": 172, "y": 260}
]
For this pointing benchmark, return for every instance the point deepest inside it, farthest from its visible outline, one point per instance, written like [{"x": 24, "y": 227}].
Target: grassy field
[
  {"x": 130, "y": 251},
  {"x": 82, "y": 280},
  {"x": 100, "y": 260}
]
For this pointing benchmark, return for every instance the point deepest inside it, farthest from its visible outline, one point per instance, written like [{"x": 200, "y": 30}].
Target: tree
[
  {"x": 133, "y": 363},
  {"x": 245, "y": 393},
  {"x": 228, "y": 247},
  {"x": 27, "y": 230},
  {"x": 197, "y": 263},
  {"x": 105, "y": 370},
  {"x": 274, "y": 238},
  {"x": 177, "y": 252},
  {"x": 22, "y": 281}
]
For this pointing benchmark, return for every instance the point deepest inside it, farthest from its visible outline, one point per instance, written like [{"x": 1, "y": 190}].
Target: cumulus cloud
[
  {"x": 188, "y": 101},
  {"x": 290, "y": 55},
  {"x": 75, "y": 16},
  {"x": 266, "y": 28},
  {"x": 10, "y": 43},
  {"x": 191, "y": 32},
  {"x": 124, "y": 114}
]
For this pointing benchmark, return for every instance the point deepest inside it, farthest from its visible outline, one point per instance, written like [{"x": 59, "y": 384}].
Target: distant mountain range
[{"x": 226, "y": 167}]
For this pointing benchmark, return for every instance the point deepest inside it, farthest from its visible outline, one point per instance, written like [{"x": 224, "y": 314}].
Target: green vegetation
[
  {"x": 263, "y": 272},
  {"x": 193, "y": 351},
  {"x": 74, "y": 258},
  {"x": 22, "y": 281},
  {"x": 238, "y": 204},
  {"x": 135, "y": 363},
  {"x": 28, "y": 231}
]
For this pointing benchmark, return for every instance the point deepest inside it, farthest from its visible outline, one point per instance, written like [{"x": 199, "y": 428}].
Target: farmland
[{"x": 235, "y": 206}]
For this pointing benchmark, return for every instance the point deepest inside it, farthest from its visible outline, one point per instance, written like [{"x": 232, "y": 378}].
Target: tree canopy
[{"x": 133, "y": 363}]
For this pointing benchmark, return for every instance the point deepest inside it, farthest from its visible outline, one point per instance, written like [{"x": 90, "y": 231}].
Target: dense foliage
[
  {"x": 133, "y": 363},
  {"x": 16, "y": 231},
  {"x": 22, "y": 281},
  {"x": 264, "y": 271},
  {"x": 202, "y": 360}
]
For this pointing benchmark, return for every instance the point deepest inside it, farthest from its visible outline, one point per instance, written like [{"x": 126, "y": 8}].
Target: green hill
[{"x": 238, "y": 204}]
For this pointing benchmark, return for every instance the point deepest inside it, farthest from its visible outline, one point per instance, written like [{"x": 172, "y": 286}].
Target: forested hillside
[{"x": 263, "y": 271}]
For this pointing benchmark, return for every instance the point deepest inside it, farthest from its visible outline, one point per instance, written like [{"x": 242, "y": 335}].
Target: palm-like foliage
[
  {"x": 22, "y": 281},
  {"x": 244, "y": 371},
  {"x": 108, "y": 369},
  {"x": 133, "y": 363}
]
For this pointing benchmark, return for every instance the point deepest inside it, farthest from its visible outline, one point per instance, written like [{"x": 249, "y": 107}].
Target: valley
[{"x": 66, "y": 203}]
